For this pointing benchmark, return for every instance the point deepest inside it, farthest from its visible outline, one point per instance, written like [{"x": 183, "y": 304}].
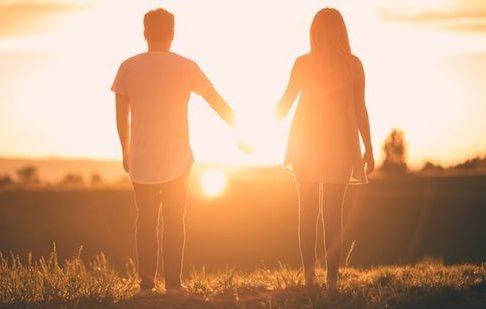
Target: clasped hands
[{"x": 247, "y": 134}]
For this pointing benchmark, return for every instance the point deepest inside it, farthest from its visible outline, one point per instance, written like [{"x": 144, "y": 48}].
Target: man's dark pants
[{"x": 173, "y": 196}]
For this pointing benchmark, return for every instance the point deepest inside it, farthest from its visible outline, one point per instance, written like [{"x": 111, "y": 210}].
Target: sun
[{"x": 213, "y": 182}]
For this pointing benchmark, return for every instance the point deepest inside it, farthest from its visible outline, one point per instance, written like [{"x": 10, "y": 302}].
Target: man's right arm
[{"x": 123, "y": 126}]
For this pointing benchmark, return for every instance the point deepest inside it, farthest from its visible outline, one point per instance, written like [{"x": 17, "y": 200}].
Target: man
[{"x": 152, "y": 93}]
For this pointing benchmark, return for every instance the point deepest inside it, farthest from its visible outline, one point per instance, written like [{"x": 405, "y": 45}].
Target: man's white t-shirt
[{"x": 158, "y": 85}]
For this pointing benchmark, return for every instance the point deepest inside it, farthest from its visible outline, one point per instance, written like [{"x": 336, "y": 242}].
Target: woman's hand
[
  {"x": 245, "y": 146},
  {"x": 369, "y": 161}
]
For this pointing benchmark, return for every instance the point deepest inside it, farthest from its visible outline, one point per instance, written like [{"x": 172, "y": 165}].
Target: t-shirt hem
[{"x": 118, "y": 91}]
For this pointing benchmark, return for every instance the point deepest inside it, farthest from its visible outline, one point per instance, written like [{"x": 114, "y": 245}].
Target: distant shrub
[
  {"x": 431, "y": 167},
  {"x": 28, "y": 175},
  {"x": 96, "y": 179},
  {"x": 72, "y": 179},
  {"x": 6, "y": 181},
  {"x": 473, "y": 163}
]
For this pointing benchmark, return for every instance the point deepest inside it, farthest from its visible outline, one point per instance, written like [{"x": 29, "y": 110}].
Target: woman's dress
[{"x": 324, "y": 142}]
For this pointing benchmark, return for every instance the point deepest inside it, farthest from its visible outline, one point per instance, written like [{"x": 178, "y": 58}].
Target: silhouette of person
[
  {"x": 152, "y": 92},
  {"x": 324, "y": 149}
]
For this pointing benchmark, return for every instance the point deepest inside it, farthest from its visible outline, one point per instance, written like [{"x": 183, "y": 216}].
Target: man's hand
[{"x": 369, "y": 161}]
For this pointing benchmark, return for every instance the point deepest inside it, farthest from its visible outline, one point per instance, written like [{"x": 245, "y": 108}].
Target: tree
[
  {"x": 395, "y": 151},
  {"x": 28, "y": 175},
  {"x": 474, "y": 163}
]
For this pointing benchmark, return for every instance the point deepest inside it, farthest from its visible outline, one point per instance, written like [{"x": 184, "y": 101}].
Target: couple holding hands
[{"x": 152, "y": 93}]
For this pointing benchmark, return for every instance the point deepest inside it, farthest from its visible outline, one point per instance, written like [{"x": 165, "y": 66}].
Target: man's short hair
[{"x": 159, "y": 25}]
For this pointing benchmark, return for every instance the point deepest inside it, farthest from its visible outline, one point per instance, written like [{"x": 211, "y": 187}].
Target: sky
[{"x": 424, "y": 63}]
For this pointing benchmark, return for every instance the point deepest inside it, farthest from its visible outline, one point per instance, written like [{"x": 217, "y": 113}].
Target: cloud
[
  {"x": 462, "y": 16},
  {"x": 27, "y": 17},
  {"x": 20, "y": 61},
  {"x": 466, "y": 26},
  {"x": 437, "y": 15}
]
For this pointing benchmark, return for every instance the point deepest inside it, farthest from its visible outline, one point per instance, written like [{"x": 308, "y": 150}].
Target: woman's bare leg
[
  {"x": 308, "y": 216},
  {"x": 333, "y": 197}
]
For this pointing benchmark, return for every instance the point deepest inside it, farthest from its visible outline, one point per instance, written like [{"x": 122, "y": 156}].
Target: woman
[{"x": 324, "y": 148}]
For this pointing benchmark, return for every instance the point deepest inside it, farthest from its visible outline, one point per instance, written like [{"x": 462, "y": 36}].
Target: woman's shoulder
[
  {"x": 357, "y": 66},
  {"x": 302, "y": 59}
]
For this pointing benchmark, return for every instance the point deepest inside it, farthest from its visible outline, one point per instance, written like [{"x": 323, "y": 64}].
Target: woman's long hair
[{"x": 330, "y": 44}]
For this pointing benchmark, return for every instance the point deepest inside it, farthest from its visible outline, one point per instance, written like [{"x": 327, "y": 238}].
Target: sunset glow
[
  {"x": 213, "y": 182},
  {"x": 424, "y": 73}
]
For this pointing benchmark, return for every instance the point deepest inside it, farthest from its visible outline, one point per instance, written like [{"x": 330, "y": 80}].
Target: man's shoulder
[
  {"x": 131, "y": 60},
  {"x": 135, "y": 58},
  {"x": 182, "y": 59},
  {"x": 171, "y": 56},
  {"x": 302, "y": 60}
]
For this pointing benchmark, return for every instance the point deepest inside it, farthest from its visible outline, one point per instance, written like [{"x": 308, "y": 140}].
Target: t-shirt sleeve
[
  {"x": 200, "y": 84},
  {"x": 119, "y": 85}
]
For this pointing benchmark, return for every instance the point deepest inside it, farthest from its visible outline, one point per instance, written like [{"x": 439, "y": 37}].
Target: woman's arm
[
  {"x": 362, "y": 115},
  {"x": 288, "y": 99}
]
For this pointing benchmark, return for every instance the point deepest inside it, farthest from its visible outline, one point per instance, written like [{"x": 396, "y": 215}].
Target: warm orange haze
[
  {"x": 424, "y": 67},
  {"x": 243, "y": 154}
]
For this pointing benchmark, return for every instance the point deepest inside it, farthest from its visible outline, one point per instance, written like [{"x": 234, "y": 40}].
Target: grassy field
[
  {"x": 76, "y": 284},
  {"x": 394, "y": 223},
  {"x": 254, "y": 222}
]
